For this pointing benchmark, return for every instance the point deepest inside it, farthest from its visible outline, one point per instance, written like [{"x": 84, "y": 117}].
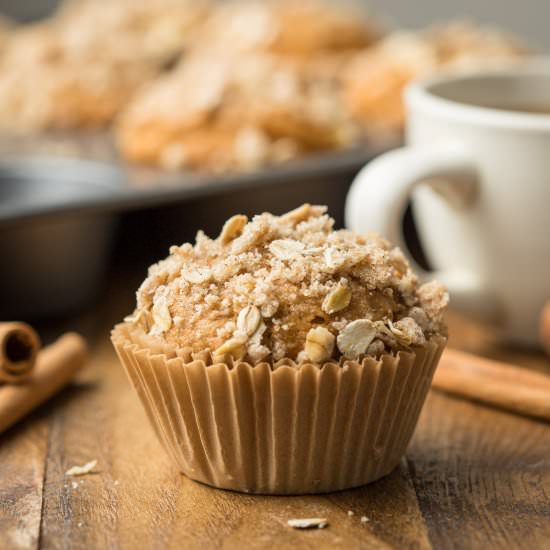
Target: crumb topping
[{"x": 289, "y": 286}]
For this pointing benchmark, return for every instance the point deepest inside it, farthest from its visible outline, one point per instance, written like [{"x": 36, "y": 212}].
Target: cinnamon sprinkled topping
[{"x": 267, "y": 291}]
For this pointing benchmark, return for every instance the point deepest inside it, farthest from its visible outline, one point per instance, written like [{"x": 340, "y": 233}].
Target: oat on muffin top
[{"x": 289, "y": 286}]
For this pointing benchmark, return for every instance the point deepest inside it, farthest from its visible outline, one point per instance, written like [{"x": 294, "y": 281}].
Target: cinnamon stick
[
  {"x": 544, "y": 327},
  {"x": 19, "y": 344},
  {"x": 55, "y": 366},
  {"x": 499, "y": 384}
]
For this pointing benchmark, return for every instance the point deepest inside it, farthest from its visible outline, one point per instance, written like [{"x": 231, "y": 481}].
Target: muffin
[
  {"x": 287, "y": 28},
  {"x": 462, "y": 45},
  {"x": 374, "y": 79},
  {"x": 217, "y": 113},
  {"x": 78, "y": 69},
  {"x": 74, "y": 91},
  {"x": 284, "y": 357},
  {"x": 153, "y": 33}
]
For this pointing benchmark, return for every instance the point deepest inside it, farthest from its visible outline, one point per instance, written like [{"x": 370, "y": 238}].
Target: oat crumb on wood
[
  {"x": 82, "y": 470},
  {"x": 308, "y": 523}
]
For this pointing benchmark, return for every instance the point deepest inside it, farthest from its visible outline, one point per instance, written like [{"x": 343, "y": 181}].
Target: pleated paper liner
[{"x": 283, "y": 428}]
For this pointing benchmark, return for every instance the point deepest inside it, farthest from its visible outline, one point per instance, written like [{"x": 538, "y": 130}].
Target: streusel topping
[{"x": 289, "y": 286}]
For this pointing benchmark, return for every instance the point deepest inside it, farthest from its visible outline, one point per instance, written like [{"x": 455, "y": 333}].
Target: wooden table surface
[{"x": 473, "y": 477}]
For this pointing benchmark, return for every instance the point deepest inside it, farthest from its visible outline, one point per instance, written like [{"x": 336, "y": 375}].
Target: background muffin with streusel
[{"x": 284, "y": 305}]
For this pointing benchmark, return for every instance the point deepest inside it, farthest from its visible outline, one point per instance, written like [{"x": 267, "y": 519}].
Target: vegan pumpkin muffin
[{"x": 284, "y": 356}]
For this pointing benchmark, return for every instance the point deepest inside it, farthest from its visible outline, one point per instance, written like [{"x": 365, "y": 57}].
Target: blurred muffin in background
[
  {"x": 7, "y": 27},
  {"x": 460, "y": 44},
  {"x": 146, "y": 32},
  {"x": 78, "y": 69},
  {"x": 231, "y": 85},
  {"x": 285, "y": 27},
  {"x": 44, "y": 86},
  {"x": 220, "y": 112},
  {"x": 261, "y": 87},
  {"x": 375, "y": 78}
]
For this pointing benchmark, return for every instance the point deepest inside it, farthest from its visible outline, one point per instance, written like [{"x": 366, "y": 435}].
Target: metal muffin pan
[
  {"x": 58, "y": 215},
  {"x": 53, "y": 251}
]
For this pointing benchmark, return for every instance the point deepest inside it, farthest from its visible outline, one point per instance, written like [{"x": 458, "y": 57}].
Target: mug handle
[{"x": 382, "y": 190}]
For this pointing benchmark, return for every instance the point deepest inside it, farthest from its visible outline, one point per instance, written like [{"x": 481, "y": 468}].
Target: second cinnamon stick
[{"x": 503, "y": 385}]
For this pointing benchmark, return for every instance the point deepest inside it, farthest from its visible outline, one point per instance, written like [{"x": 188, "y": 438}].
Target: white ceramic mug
[{"x": 478, "y": 174}]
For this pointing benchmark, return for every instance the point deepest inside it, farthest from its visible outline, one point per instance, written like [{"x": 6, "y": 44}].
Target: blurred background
[
  {"x": 126, "y": 126},
  {"x": 528, "y": 18}
]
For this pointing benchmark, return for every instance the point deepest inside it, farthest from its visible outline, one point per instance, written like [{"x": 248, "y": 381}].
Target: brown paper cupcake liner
[{"x": 281, "y": 428}]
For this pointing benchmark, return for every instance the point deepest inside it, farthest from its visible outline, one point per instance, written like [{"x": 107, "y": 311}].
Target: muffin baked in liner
[{"x": 281, "y": 428}]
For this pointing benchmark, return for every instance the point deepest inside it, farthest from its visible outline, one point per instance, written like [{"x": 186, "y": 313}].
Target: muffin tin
[{"x": 60, "y": 199}]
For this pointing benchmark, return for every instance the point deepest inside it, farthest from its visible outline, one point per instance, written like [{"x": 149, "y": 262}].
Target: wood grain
[
  {"x": 22, "y": 459},
  {"x": 473, "y": 477},
  {"x": 482, "y": 477}
]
